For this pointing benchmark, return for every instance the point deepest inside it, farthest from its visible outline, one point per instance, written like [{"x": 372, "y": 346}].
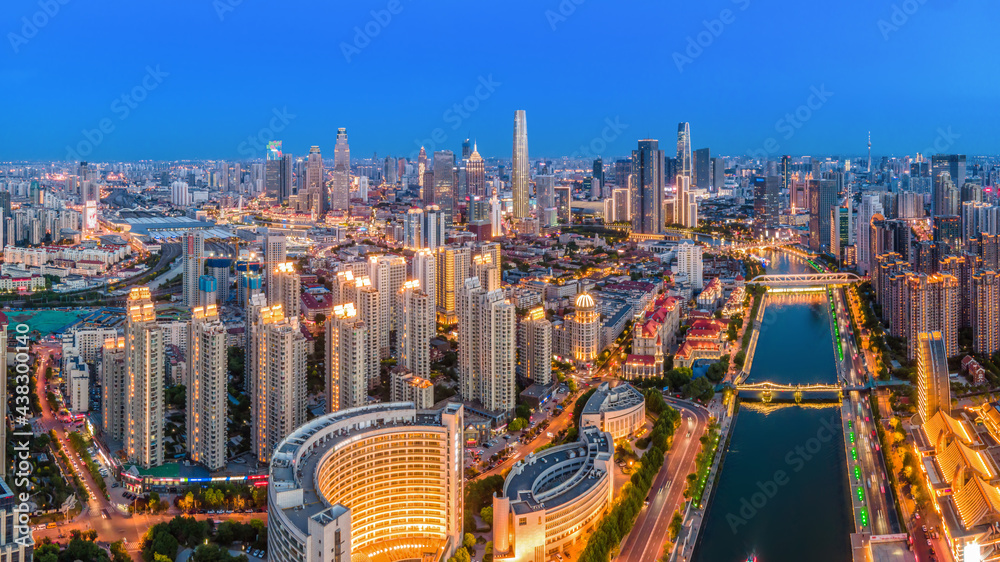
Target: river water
[{"x": 782, "y": 494}]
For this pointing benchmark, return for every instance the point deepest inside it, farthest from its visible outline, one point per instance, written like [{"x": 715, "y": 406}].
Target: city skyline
[{"x": 158, "y": 104}]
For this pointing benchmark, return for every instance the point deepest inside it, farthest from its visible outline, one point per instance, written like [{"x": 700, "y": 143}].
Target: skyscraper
[
  {"x": 701, "y": 169},
  {"x": 287, "y": 285},
  {"x": 341, "y": 185},
  {"x": 275, "y": 252},
  {"x": 453, "y": 264},
  {"x": 986, "y": 312},
  {"x": 113, "y": 388},
  {"x": 598, "y": 172},
  {"x": 954, "y": 166},
  {"x": 870, "y": 207},
  {"x": 388, "y": 273},
  {"x": 206, "y": 391},
  {"x": 415, "y": 328},
  {"x": 316, "y": 181},
  {"x": 444, "y": 184},
  {"x": 368, "y": 303},
  {"x": 475, "y": 174},
  {"x": 933, "y": 388},
  {"x": 519, "y": 173},
  {"x": 932, "y": 305},
  {"x": 647, "y": 193},
  {"x": 347, "y": 360},
  {"x": 584, "y": 326},
  {"x": 273, "y": 169},
  {"x": 766, "y": 203},
  {"x": 689, "y": 262},
  {"x": 486, "y": 339},
  {"x": 684, "y": 149},
  {"x": 822, "y": 198},
  {"x": 276, "y": 365},
  {"x": 193, "y": 249},
  {"x": 144, "y": 379}
]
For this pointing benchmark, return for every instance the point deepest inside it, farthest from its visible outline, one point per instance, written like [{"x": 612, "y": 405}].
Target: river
[{"x": 782, "y": 493}]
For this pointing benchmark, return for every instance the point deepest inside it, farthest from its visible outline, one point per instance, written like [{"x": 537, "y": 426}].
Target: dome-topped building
[{"x": 585, "y": 325}]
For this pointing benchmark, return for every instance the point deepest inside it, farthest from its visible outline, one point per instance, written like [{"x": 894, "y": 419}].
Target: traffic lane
[
  {"x": 654, "y": 520},
  {"x": 131, "y": 528}
]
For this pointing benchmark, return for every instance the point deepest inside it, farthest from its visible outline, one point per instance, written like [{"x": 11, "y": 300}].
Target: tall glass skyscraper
[
  {"x": 444, "y": 183},
  {"x": 684, "y": 149},
  {"x": 341, "y": 196},
  {"x": 647, "y": 193},
  {"x": 519, "y": 174}
]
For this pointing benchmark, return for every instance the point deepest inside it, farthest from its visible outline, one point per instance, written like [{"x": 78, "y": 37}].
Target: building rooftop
[{"x": 606, "y": 398}]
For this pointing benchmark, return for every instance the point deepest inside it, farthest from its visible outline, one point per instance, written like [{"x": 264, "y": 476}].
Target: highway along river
[{"x": 782, "y": 494}]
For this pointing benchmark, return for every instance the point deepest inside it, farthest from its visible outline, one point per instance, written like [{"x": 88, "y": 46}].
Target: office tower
[
  {"x": 766, "y": 202},
  {"x": 932, "y": 305},
  {"x": 219, "y": 268},
  {"x": 985, "y": 292},
  {"x": 948, "y": 233},
  {"x": 948, "y": 175},
  {"x": 388, "y": 486},
  {"x": 933, "y": 388},
  {"x": 647, "y": 192},
  {"x": 415, "y": 328},
  {"x": 144, "y": 379},
  {"x": 208, "y": 289},
  {"x": 346, "y": 359},
  {"x": 388, "y": 273},
  {"x": 316, "y": 181},
  {"x": 701, "y": 169},
  {"x": 718, "y": 173},
  {"x": 113, "y": 389},
  {"x": 519, "y": 173},
  {"x": 207, "y": 370},
  {"x": 275, "y": 252},
  {"x": 423, "y": 268},
  {"x": 453, "y": 264},
  {"x": 444, "y": 185},
  {"x": 786, "y": 174},
  {"x": 368, "y": 304},
  {"x": 689, "y": 263},
  {"x": 617, "y": 207},
  {"x": 276, "y": 365},
  {"x": 496, "y": 216},
  {"x": 584, "y": 325},
  {"x": 545, "y": 193},
  {"x": 274, "y": 171},
  {"x": 869, "y": 207},
  {"x": 684, "y": 149},
  {"x": 421, "y": 167},
  {"x": 486, "y": 337},
  {"x": 413, "y": 226},
  {"x": 475, "y": 174},
  {"x": 822, "y": 198},
  {"x": 534, "y": 363},
  {"x": 685, "y": 203},
  {"x": 340, "y": 196},
  {"x": 564, "y": 204},
  {"x": 193, "y": 249}
]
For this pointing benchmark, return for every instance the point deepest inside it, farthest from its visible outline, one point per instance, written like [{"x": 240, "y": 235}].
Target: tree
[
  {"x": 699, "y": 389},
  {"x": 487, "y": 514},
  {"x": 679, "y": 377},
  {"x": 517, "y": 424},
  {"x": 469, "y": 541}
]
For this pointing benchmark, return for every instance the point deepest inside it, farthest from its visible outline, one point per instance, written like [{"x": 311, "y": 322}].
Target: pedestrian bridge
[
  {"x": 767, "y": 391},
  {"x": 805, "y": 279}
]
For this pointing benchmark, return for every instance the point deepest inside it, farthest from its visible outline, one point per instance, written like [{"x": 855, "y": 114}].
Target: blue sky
[{"x": 223, "y": 71}]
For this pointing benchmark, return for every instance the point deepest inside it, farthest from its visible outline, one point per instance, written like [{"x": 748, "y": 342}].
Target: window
[{"x": 522, "y": 521}]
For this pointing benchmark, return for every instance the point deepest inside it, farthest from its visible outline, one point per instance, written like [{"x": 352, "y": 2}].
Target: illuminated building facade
[
  {"x": 584, "y": 326},
  {"x": 113, "y": 376},
  {"x": 206, "y": 390},
  {"x": 144, "y": 362},
  {"x": 985, "y": 312},
  {"x": 519, "y": 172},
  {"x": 553, "y": 499},
  {"x": 933, "y": 388},
  {"x": 486, "y": 340},
  {"x": 346, "y": 359},
  {"x": 382, "y": 483},
  {"x": 535, "y": 348},
  {"x": 415, "y": 329},
  {"x": 619, "y": 410},
  {"x": 452, "y": 269}
]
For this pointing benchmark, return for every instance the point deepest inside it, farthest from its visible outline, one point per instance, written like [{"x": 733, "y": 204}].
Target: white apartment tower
[
  {"x": 346, "y": 359},
  {"x": 144, "y": 379},
  {"x": 207, "y": 393},
  {"x": 415, "y": 329}
]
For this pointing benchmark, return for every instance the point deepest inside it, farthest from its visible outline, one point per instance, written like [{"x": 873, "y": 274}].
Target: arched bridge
[
  {"x": 775, "y": 387},
  {"x": 806, "y": 279}
]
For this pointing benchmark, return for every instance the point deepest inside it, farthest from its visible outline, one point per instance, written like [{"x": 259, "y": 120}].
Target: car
[
  {"x": 924, "y": 528},
  {"x": 50, "y": 526},
  {"x": 929, "y": 542}
]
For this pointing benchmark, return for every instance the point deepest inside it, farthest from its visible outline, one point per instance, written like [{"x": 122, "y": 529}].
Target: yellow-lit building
[{"x": 381, "y": 483}]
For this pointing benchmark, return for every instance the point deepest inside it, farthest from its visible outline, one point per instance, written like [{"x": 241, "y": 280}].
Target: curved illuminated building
[
  {"x": 379, "y": 483},
  {"x": 585, "y": 329},
  {"x": 553, "y": 499}
]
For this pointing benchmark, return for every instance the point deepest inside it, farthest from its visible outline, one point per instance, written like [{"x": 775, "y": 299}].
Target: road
[{"x": 645, "y": 541}]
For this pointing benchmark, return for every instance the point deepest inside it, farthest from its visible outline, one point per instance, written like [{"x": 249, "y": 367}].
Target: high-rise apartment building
[
  {"x": 207, "y": 394},
  {"x": 534, "y": 348},
  {"x": 193, "y": 259},
  {"x": 287, "y": 285},
  {"x": 347, "y": 359},
  {"x": 932, "y": 303},
  {"x": 689, "y": 262},
  {"x": 869, "y": 207},
  {"x": 113, "y": 388},
  {"x": 416, "y": 326},
  {"x": 986, "y": 312},
  {"x": 275, "y": 252},
  {"x": 423, "y": 268},
  {"x": 647, "y": 192},
  {"x": 144, "y": 362},
  {"x": 519, "y": 173},
  {"x": 948, "y": 176},
  {"x": 453, "y": 263},
  {"x": 276, "y": 365},
  {"x": 933, "y": 387},
  {"x": 486, "y": 340},
  {"x": 388, "y": 273},
  {"x": 617, "y": 208},
  {"x": 367, "y": 302}
]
